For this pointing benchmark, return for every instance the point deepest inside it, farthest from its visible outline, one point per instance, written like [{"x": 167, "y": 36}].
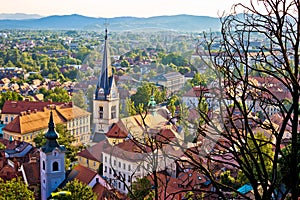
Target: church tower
[
  {"x": 106, "y": 101},
  {"x": 52, "y": 162}
]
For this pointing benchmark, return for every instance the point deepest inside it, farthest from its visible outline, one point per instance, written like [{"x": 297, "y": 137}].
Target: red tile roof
[
  {"x": 15, "y": 107},
  {"x": 117, "y": 131},
  {"x": 196, "y": 91},
  {"x": 83, "y": 174},
  {"x": 32, "y": 171},
  {"x": 94, "y": 152}
]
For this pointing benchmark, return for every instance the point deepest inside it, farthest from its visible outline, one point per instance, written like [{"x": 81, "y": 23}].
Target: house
[
  {"x": 10, "y": 72},
  {"x": 130, "y": 159},
  {"x": 172, "y": 81},
  {"x": 90, "y": 178},
  {"x": 91, "y": 157},
  {"x": 191, "y": 97},
  {"x": 31, "y": 122},
  {"x": 31, "y": 175}
]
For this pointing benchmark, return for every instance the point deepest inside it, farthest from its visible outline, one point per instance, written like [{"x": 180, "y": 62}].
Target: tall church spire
[
  {"x": 104, "y": 84},
  {"x": 106, "y": 102}
]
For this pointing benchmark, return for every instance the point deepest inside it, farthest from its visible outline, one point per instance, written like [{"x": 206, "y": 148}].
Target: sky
[{"x": 118, "y": 8}]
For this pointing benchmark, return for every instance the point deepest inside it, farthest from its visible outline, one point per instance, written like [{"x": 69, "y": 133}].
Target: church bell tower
[
  {"x": 106, "y": 101},
  {"x": 52, "y": 162}
]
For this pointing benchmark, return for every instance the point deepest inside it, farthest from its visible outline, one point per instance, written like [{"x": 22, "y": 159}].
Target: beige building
[
  {"x": 29, "y": 123},
  {"x": 172, "y": 82}
]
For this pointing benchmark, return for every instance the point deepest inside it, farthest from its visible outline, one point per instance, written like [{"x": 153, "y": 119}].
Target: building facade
[{"x": 30, "y": 123}]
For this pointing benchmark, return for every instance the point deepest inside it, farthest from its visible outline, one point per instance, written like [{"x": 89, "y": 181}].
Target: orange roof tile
[{"x": 28, "y": 122}]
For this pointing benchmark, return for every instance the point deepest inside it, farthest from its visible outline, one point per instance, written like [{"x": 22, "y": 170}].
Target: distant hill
[
  {"x": 19, "y": 16},
  {"x": 78, "y": 22}
]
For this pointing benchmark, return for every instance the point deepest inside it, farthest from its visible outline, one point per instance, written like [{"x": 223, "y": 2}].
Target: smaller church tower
[
  {"x": 106, "y": 101},
  {"x": 52, "y": 162}
]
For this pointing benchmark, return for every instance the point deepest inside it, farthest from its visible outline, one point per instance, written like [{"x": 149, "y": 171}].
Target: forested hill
[{"x": 78, "y": 22}]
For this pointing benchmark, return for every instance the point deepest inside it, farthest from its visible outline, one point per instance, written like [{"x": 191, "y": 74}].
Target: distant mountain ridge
[
  {"x": 18, "y": 16},
  {"x": 189, "y": 23}
]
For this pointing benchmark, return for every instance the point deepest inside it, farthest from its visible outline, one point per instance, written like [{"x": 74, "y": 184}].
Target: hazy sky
[{"x": 117, "y": 8}]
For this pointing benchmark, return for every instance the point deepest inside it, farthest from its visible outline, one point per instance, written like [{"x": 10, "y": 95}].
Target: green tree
[
  {"x": 203, "y": 109},
  {"x": 9, "y": 95},
  {"x": 56, "y": 95},
  {"x": 78, "y": 190},
  {"x": 15, "y": 189},
  {"x": 227, "y": 179},
  {"x": 125, "y": 64},
  {"x": 173, "y": 102},
  {"x": 79, "y": 100},
  {"x": 144, "y": 92},
  {"x": 140, "y": 189},
  {"x": 198, "y": 79},
  {"x": 259, "y": 145}
]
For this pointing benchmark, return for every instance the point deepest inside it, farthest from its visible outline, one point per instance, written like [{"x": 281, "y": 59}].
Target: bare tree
[{"x": 257, "y": 68}]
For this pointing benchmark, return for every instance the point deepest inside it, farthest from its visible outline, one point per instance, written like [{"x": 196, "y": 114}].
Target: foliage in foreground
[{"x": 15, "y": 189}]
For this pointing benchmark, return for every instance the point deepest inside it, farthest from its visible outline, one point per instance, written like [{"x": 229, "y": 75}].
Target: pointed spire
[
  {"x": 104, "y": 81},
  {"x": 51, "y": 137},
  {"x": 51, "y": 134}
]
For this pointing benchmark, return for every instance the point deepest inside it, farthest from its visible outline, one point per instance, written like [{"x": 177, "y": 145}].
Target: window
[
  {"x": 44, "y": 166},
  {"x": 120, "y": 164},
  {"x": 105, "y": 169},
  {"x": 109, "y": 170},
  {"x": 55, "y": 166},
  {"x": 113, "y": 112},
  {"x": 94, "y": 164},
  {"x": 105, "y": 159},
  {"x": 138, "y": 168},
  {"x": 124, "y": 166},
  {"x": 129, "y": 178},
  {"x": 129, "y": 168},
  {"x": 101, "y": 112},
  {"x": 115, "y": 162},
  {"x": 6, "y": 119},
  {"x": 11, "y": 118}
]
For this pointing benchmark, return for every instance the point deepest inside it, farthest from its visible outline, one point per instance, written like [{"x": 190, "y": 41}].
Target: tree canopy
[
  {"x": 77, "y": 190},
  {"x": 15, "y": 189}
]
